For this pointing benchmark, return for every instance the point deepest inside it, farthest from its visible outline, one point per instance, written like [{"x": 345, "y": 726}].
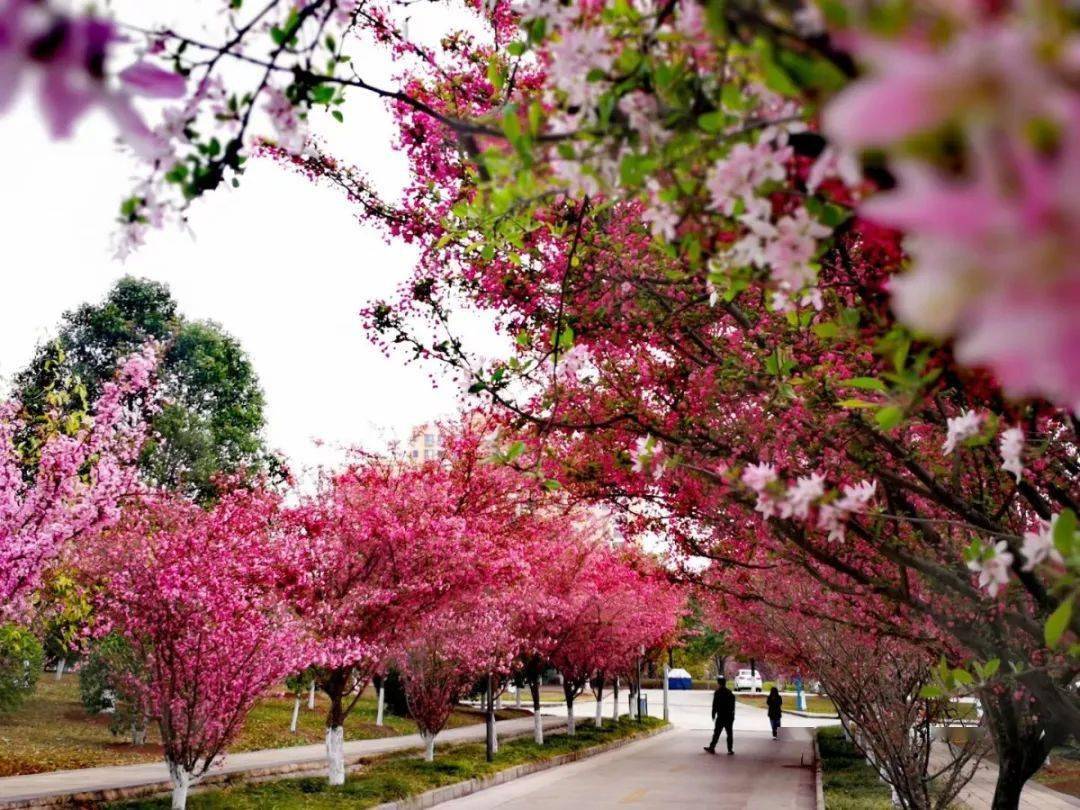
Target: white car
[{"x": 750, "y": 681}]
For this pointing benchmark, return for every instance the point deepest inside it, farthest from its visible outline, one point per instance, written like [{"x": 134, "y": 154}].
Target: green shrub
[
  {"x": 21, "y": 660},
  {"x": 848, "y": 782},
  {"x": 101, "y": 686}
]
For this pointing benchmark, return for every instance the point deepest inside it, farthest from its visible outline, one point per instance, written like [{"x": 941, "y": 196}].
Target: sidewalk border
[
  {"x": 459, "y": 790},
  {"x": 819, "y": 779}
]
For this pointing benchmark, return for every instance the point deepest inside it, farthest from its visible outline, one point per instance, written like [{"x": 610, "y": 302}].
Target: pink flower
[
  {"x": 148, "y": 80},
  {"x": 746, "y": 167},
  {"x": 291, "y": 133},
  {"x": 912, "y": 89}
]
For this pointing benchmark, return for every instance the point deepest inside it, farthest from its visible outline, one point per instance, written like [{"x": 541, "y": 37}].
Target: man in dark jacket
[{"x": 723, "y": 713}]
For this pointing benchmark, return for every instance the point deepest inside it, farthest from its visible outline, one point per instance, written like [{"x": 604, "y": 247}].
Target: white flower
[
  {"x": 1012, "y": 445},
  {"x": 759, "y": 476},
  {"x": 648, "y": 451},
  {"x": 833, "y": 162},
  {"x": 662, "y": 220},
  {"x": 577, "y": 52},
  {"x": 832, "y": 517},
  {"x": 961, "y": 428},
  {"x": 1039, "y": 546},
  {"x": 993, "y": 568},
  {"x": 856, "y": 496},
  {"x": 802, "y": 495}
]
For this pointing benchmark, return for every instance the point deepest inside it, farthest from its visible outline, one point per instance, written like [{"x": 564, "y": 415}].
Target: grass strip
[{"x": 848, "y": 782}]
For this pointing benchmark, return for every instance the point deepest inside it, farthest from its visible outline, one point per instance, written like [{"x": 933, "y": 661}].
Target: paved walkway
[
  {"x": 40, "y": 786},
  {"x": 670, "y": 770},
  {"x": 979, "y": 793}
]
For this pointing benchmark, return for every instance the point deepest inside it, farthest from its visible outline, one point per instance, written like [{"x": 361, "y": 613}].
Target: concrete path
[
  {"x": 669, "y": 770},
  {"x": 979, "y": 793},
  {"x": 17, "y": 790},
  {"x": 672, "y": 768}
]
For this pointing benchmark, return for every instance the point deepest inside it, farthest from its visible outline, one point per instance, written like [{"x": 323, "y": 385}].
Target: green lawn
[
  {"x": 51, "y": 731},
  {"x": 849, "y": 783},
  {"x": 814, "y": 703},
  {"x": 397, "y": 776}
]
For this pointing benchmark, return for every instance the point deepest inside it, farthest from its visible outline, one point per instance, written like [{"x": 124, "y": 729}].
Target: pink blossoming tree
[
  {"x": 193, "y": 592},
  {"x": 63, "y": 481}
]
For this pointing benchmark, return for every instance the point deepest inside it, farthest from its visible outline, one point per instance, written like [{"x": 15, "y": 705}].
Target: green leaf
[
  {"x": 962, "y": 676},
  {"x": 889, "y": 417},
  {"x": 712, "y": 121},
  {"x": 931, "y": 691},
  {"x": 865, "y": 383},
  {"x": 856, "y": 403},
  {"x": 516, "y": 449},
  {"x": 990, "y": 668},
  {"x": 1065, "y": 532},
  {"x": 1058, "y": 622},
  {"x": 511, "y": 124}
]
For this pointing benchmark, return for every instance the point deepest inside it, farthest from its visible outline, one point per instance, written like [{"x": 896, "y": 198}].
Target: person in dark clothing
[
  {"x": 723, "y": 712},
  {"x": 775, "y": 704}
]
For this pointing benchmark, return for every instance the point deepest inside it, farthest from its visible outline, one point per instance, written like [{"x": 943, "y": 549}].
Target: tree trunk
[
  {"x": 429, "y": 746},
  {"x": 138, "y": 730},
  {"x": 615, "y": 695},
  {"x": 295, "y": 714},
  {"x": 60, "y": 664},
  {"x": 538, "y": 723},
  {"x": 382, "y": 703},
  {"x": 598, "y": 693},
  {"x": 517, "y": 697},
  {"x": 311, "y": 696},
  {"x": 1022, "y": 742},
  {"x": 335, "y": 755},
  {"x": 335, "y": 728},
  {"x": 568, "y": 690},
  {"x": 181, "y": 781}
]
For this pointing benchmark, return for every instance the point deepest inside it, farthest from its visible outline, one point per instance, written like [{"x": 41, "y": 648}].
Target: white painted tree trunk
[
  {"x": 295, "y": 714},
  {"x": 571, "y": 730},
  {"x": 665, "y": 693},
  {"x": 311, "y": 696},
  {"x": 138, "y": 731},
  {"x": 494, "y": 739},
  {"x": 538, "y": 728},
  {"x": 335, "y": 755},
  {"x": 382, "y": 701},
  {"x": 599, "y": 712},
  {"x": 60, "y": 668},
  {"x": 517, "y": 698},
  {"x": 498, "y": 702},
  {"x": 181, "y": 781},
  {"x": 615, "y": 701},
  {"x": 429, "y": 746}
]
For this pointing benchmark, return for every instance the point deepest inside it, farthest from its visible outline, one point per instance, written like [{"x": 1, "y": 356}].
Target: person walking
[
  {"x": 775, "y": 704},
  {"x": 723, "y": 713}
]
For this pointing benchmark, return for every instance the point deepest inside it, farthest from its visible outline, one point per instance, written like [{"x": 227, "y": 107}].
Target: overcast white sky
[{"x": 252, "y": 266}]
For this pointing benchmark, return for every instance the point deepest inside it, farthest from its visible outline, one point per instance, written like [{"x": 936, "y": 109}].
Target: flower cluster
[
  {"x": 994, "y": 244},
  {"x": 796, "y": 500}
]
